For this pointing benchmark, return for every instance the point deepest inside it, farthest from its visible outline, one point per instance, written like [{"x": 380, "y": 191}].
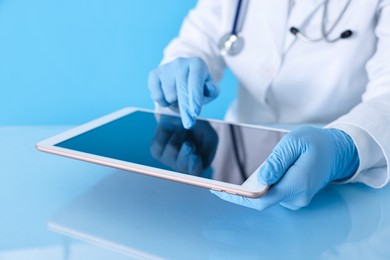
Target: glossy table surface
[{"x": 59, "y": 208}]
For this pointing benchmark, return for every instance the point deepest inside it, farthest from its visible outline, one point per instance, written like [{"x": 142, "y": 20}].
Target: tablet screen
[{"x": 213, "y": 150}]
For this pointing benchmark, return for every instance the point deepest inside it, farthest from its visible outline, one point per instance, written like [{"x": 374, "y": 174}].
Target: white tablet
[{"x": 213, "y": 154}]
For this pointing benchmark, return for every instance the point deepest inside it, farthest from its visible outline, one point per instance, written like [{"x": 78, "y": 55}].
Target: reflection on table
[{"x": 148, "y": 218}]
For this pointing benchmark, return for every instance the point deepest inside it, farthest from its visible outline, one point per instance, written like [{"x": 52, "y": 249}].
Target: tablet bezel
[{"x": 250, "y": 188}]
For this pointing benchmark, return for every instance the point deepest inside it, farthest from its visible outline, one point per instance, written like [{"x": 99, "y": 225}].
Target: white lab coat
[{"x": 345, "y": 84}]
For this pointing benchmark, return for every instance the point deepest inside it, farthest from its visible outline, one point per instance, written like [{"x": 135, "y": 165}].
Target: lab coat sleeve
[
  {"x": 369, "y": 122},
  {"x": 198, "y": 37}
]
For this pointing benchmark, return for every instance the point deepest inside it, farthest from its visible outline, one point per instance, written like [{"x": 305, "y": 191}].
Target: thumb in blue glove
[
  {"x": 303, "y": 162},
  {"x": 184, "y": 83}
]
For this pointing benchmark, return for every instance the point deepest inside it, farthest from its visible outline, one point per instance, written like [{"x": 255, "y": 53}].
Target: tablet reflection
[
  {"x": 151, "y": 218},
  {"x": 186, "y": 151}
]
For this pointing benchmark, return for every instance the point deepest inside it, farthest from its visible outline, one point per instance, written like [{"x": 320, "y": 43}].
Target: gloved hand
[
  {"x": 302, "y": 163},
  {"x": 187, "y": 151},
  {"x": 184, "y": 83}
]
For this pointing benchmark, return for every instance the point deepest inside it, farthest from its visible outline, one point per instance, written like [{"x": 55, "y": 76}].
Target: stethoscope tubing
[
  {"x": 232, "y": 39},
  {"x": 236, "y": 18}
]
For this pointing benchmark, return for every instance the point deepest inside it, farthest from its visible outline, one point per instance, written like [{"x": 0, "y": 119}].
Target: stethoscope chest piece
[{"x": 230, "y": 44}]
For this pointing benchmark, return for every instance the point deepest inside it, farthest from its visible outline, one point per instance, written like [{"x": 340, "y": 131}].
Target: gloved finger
[
  {"x": 195, "y": 165},
  {"x": 174, "y": 105},
  {"x": 171, "y": 149},
  {"x": 301, "y": 182},
  {"x": 169, "y": 122},
  {"x": 186, "y": 159},
  {"x": 187, "y": 118},
  {"x": 295, "y": 204},
  {"x": 196, "y": 81},
  {"x": 159, "y": 142},
  {"x": 210, "y": 91},
  {"x": 300, "y": 200},
  {"x": 286, "y": 152},
  {"x": 255, "y": 203},
  {"x": 239, "y": 200},
  {"x": 154, "y": 86},
  {"x": 296, "y": 189},
  {"x": 168, "y": 87},
  {"x": 275, "y": 195}
]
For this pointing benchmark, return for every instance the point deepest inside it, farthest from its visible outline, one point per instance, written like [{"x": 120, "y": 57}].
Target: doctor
[{"x": 297, "y": 61}]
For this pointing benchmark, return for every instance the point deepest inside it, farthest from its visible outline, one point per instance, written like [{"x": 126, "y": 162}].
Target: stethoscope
[{"x": 232, "y": 43}]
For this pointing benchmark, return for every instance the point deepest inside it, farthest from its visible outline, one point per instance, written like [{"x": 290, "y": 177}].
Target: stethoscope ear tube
[
  {"x": 295, "y": 31},
  {"x": 346, "y": 34},
  {"x": 325, "y": 32},
  {"x": 232, "y": 43}
]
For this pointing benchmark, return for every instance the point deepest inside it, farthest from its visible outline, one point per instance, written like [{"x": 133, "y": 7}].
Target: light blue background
[{"x": 67, "y": 62}]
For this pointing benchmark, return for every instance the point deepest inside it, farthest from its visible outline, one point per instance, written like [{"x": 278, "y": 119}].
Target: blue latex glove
[
  {"x": 303, "y": 162},
  {"x": 184, "y": 83}
]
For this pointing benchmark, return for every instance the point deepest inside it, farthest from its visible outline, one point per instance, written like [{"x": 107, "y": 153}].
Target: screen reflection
[
  {"x": 215, "y": 150},
  {"x": 187, "y": 151}
]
